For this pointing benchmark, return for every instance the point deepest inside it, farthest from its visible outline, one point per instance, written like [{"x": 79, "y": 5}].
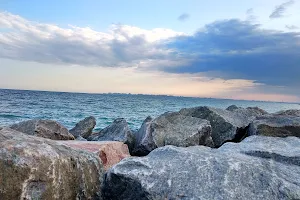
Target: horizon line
[{"x": 166, "y": 95}]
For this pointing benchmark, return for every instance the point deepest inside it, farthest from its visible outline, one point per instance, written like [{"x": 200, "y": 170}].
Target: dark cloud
[
  {"x": 183, "y": 17},
  {"x": 237, "y": 49},
  {"x": 291, "y": 27},
  {"x": 279, "y": 10}
]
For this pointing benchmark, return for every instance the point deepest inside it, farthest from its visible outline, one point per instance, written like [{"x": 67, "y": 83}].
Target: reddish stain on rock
[{"x": 110, "y": 152}]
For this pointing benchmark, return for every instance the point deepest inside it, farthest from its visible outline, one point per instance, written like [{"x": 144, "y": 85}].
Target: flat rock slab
[
  {"x": 38, "y": 168},
  {"x": 275, "y": 126},
  {"x": 257, "y": 168},
  {"x": 44, "y": 128},
  {"x": 110, "y": 152}
]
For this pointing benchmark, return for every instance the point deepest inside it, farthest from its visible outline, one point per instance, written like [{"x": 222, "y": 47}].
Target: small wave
[{"x": 9, "y": 116}]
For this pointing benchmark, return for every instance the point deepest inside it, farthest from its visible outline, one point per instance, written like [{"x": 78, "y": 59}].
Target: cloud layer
[
  {"x": 228, "y": 50},
  {"x": 122, "y": 45},
  {"x": 237, "y": 49},
  {"x": 280, "y": 10}
]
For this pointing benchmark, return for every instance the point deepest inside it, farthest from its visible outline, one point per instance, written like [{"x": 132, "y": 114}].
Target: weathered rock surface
[
  {"x": 109, "y": 152},
  {"x": 172, "y": 129},
  {"x": 84, "y": 128},
  {"x": 144, "y": 143},
  {"x": 257, "y": 168},
  {"x": 38, "y": 168},
  {"x": 117, "y": 131},
  {"x": 276, "y": 126},
  {"x": 226, "y": 125},
  {"x": 44, "y": 128},
  {"x": 289, "y": 112}
]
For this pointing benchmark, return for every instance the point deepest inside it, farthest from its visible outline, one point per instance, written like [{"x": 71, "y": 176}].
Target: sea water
[{"x": 69, "y": 108}]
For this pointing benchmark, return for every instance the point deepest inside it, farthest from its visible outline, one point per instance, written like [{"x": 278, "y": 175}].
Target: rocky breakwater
[
  {"x": 38, "y": 168},
  {"x": 44, "y": 128},
  {"x": 257, "y": 168}
]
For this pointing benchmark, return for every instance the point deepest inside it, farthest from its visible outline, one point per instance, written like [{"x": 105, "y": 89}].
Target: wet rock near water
[
  {"x": 275, "y": 126},
  {"x": 227, "y": 125},
  {"x": 289, "y": 112},
  {"x": 84, "y": 128},
  {"x": 44, "y": 128},
  {"x": 38, "y": 168},
  {"x": 257, "y": 168},
  {"x": 172, "y": 129},
  {"x": 117, "y": 131}
]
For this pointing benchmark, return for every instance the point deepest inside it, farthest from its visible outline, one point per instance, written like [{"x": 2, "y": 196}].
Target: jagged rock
[
  {"x": 257, "y": 168},
  {"x": 44, "y": 128},
  {"x": 289, "y": 112},
  {"x": 79, "y": 138},
  {"x": 144, "y": 143},
  {"x": 39, "y": 168},
  {"x": 226, "y": 125},
  {"x": 232, "y": 108},
  {"x": 172, "y": 129},
  {"x": 84, "y": 128},
  {"x": 117, "y": 131},
  {"x": 258, "y": 111},
  {"x": 276, "y": 126},
  {"x": 108, "y": 151}
]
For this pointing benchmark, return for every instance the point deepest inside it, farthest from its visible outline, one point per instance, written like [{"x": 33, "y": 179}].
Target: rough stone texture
[
  {"x": 232, "y": 108},
  {"x": 144, "y": 143},
  {"x": 44, "y": 128},
  {"x": 172, "y": 129},
  {"x": 276, "y": 126},
  {"x": 117, "y": 131},
  {"x": 79, "y": 138},
  {"x": 257, "y": 168},
  {"x": 84, "y": 128},
  {"x": 289, "y": 112},
  {"x": 226, "y": 125},
  {"x": 109, "y": 152},
  {"x": 38, "y": 168}
]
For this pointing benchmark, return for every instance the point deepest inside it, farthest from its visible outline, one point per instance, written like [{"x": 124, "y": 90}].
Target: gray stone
[
  {"x": 38, "y": 168},
  {"x": 275, "y": 126},
  {"x": 226, "y": 125},
  {"x": 79, "y": 138},
  {"x": 117, "y": 131},
  {"x": 144, "y": 143},
  {"x": 232, "y": 108},
  {"x": 257, "y": 168},
  {"x": 289, "y": 112},
  {"x": 44, "y": 128},
  {"x": 172, "y": 129},
  {"x": 84, "y": 128}
]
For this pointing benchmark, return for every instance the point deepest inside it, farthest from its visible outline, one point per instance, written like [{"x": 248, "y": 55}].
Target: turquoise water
[{"x": 69, "y": 108}]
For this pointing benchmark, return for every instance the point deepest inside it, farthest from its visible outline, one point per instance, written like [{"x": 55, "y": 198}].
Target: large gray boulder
[
  {"x": 84, "y": 128},
  {"x": 227, "y": 125},
  {"x": 44, "y": 128},
  {"x": 117, "y": 131},
  {"x": 275, "y": 126},
  {"x": 172, "y": 129},
  {"x": 38, "y": 168},
  {"x": 257, "y": 168}
]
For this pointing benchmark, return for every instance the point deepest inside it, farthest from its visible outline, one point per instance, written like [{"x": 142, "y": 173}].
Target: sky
[{"x": 222, "y": 49}]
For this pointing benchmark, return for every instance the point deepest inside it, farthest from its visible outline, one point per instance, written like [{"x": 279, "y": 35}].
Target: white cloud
[{"x": 121, "y": 45}]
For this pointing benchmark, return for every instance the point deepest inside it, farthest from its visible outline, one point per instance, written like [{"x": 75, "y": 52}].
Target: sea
[{"x": 69, "y": 108}]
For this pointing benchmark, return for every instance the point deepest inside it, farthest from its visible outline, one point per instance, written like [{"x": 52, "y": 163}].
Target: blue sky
[{"x": 233, "y": 49}]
